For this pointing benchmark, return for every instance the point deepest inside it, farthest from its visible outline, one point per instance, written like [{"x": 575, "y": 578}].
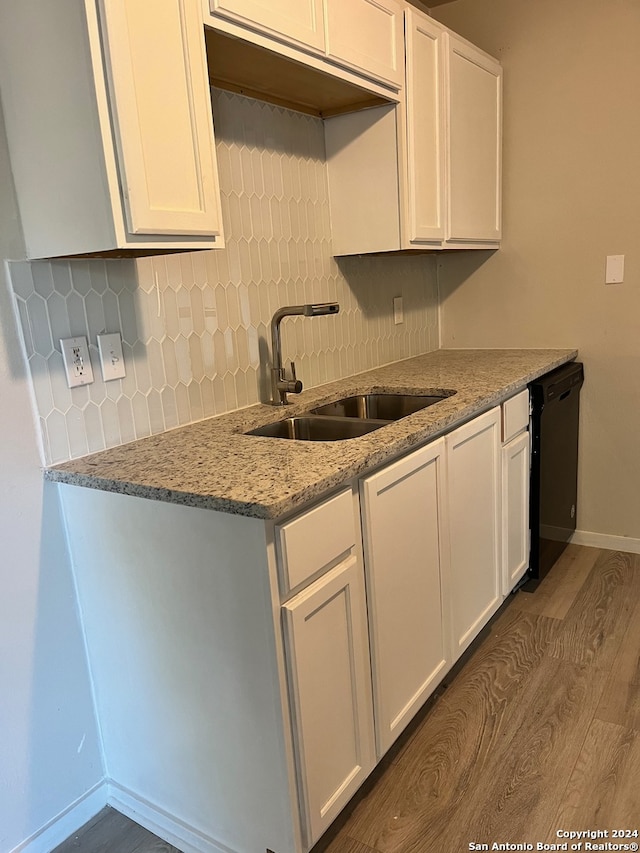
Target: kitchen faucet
[{"x": 280, "y": 384}]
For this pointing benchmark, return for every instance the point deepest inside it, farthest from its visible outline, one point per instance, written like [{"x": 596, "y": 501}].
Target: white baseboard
[
  {"x": 605, "y": 540},
  {"x": 59, "y": 828},
  {"x": 161, "y": 823}
]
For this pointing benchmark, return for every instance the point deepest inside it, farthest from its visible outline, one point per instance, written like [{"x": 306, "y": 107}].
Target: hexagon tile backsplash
[{"x": 195, "y": 326}]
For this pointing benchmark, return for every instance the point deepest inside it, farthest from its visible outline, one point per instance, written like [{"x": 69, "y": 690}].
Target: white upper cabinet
[
  {"x": 162, "y": 115},
  {"x": 433, "y": 162},
  {"x": 368, "y": 36},
  {"x": 318, "y": 56},
  {"x": 110, "y": 129},
  {"x": 425, "y": 129},
  {"x": 474, "y": 93},
  {"x": 297, "y": 21}
]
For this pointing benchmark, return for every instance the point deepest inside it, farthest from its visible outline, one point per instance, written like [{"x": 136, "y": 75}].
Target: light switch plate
[
  {"x": 111, "y": 359},
  {"x": 77, "y": 364},
  {"x": 615, "y": 269},
  {"x": 398, "y": 313}
]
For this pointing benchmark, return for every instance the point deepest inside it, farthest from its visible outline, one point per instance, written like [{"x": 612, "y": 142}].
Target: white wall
[
  {"x": 571, "y": 197},
  {"x": 49, "y": 748}
]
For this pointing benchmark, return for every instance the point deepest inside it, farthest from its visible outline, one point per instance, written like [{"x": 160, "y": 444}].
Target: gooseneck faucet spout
[{"x": 280, "y": 384}]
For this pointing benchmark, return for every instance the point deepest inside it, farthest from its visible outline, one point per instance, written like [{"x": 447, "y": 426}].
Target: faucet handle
[{"x": 295, "y": 385}]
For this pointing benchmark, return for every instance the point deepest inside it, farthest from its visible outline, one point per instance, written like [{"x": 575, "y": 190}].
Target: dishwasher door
[{"x": 555, "y": 403}]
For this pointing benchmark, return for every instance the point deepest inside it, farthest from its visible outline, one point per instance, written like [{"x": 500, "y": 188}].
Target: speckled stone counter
[{"x": 212, "y": 464}]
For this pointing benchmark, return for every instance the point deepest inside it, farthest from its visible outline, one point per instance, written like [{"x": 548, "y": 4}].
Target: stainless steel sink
[
  {"x": 386, "y": 407},
  {"x": 308, "y": 428}
]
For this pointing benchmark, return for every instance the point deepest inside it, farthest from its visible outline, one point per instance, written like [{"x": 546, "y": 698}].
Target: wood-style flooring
[{"x": 536, "y": 730}]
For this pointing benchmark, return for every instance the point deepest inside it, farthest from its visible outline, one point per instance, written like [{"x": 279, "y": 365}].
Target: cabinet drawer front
[
  {"x": 515, "y": 415},
  {"x": 316, "y": 539}
]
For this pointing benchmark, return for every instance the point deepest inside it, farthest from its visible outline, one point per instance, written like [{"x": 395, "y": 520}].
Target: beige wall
[{"x": 571, "y": 197}]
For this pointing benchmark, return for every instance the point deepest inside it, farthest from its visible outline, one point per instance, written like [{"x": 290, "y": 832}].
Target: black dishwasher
[{"x": 555, "y": 413}]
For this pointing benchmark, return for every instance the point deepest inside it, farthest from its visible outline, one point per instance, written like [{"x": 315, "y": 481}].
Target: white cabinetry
[
  {"x": 433, "y": 162},
  {"x": 111, "y": 140},
  {"x": 474, "y": 111},
  {"x": 426, "y": 138},
  {"x": 367, "y": 35},
  {"x": 405, "y": 557},
  {"x": 256, "y": 656},
  {"x": 516, "y": 468},
  {"x": 328, "y": 667},
  {"x": 355, "y": 42},
  {"x": 473, "y": 461},
  {"x": 329, "y": 670},
  {"x": 296, "y": 21}
]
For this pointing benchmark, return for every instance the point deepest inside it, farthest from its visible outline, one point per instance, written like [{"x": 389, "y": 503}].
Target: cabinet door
[
  {"x": 330, "y": 682},
  {"x": 161, "y": 111},
  {"x": 515, "y": 510},
  {"x": 297, "y": 21},
  {"x": 402, "y": 511},
  {"x": 473, "y": 464},
  {"x": 474, "y": 84},
  {"x": 367, "y": 35},
  {"x": 425, "y": 128}
]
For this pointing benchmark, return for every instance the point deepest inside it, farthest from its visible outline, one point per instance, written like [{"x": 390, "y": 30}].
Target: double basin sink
[{"x": 349, "y": 417}]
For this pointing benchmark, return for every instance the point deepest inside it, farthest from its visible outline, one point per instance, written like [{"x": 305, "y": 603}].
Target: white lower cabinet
[
  {"x": 473, "y": 462},
  {"x": 516, "y": 471},
  {"x": 515, "y": 510},
  {"x": 327, "y": 656},
  {"x": 270, "y": 662},
  {"x": 330, "y": 680},
  {"x": 404, "y": 535}
]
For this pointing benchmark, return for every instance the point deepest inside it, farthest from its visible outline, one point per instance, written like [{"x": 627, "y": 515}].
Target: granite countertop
[{"x": 213, "y": 465}]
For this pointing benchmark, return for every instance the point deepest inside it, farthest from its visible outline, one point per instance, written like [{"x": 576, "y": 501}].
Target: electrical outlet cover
[{"x": 77, "y": 364}]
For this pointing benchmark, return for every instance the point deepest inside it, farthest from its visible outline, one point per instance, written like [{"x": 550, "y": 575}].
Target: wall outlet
[
  {"x": 111, "y": 360},
  {"x": 398, "y": 313},
  {"x": 77, "y": 364}
]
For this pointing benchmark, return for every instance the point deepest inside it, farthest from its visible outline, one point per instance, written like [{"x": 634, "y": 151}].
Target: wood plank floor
[{"x": 536, "y": 729}]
